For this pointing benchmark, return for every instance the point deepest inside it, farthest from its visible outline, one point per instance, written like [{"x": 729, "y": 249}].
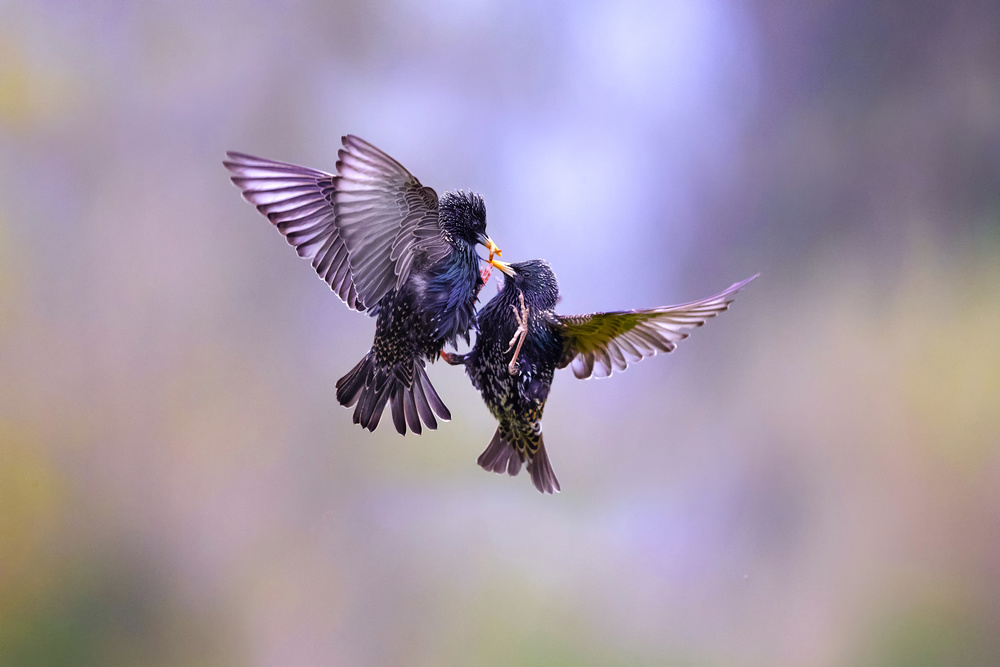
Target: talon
[
  {"x": 519, "y": 335},
  {"x": 484, "y": 277}
]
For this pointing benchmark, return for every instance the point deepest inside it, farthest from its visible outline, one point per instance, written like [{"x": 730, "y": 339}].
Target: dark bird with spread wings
[
  {"x": 388, "y": 245},
  {"x": 522, "y": 341}
]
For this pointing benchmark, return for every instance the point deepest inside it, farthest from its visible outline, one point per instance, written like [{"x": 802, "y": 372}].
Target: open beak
[
  {"x": 490, "y": 245},
  {"x": 503, "y": 266}
]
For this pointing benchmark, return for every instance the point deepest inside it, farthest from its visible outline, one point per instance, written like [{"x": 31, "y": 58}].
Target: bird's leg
[{"x": 519, "y": 335}]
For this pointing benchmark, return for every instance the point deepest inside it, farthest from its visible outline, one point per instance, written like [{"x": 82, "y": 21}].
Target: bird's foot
[
  {"x": 485, "y": 275},
  {"x": 522, "y": 332},
  {"x": 453, "y": 358}
]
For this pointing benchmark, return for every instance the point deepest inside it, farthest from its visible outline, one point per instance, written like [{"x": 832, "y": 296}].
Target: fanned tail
[
  {"x": 500, "y": 456},
  {"x": 410, "y": 395}
]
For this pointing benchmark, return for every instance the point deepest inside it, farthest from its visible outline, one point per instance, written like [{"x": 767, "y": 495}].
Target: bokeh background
[{"x": 811, "y": 479}]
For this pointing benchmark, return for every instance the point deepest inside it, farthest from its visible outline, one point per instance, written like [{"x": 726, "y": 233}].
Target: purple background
[{"x": 811, "y": 479}]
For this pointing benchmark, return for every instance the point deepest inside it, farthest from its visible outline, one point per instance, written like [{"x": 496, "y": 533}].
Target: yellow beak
[
  {"x": 492, "y": 247},
  {"x": 503, "y": 266}
]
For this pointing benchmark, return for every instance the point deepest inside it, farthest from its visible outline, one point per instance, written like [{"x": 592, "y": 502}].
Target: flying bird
[
  {"x": 386, "y": 245},
  {"x": 521, "y": 342}
]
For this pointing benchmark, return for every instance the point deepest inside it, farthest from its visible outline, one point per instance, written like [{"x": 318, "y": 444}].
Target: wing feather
[
  {"x": 296, "y": 201},
  {"x": 385, "y": 216},
  {"x": 601, "y": 343},
  {"x": 362, "y": 228}
]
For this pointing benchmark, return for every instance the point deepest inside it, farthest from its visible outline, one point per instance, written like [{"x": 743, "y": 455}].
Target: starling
[
  {"x": 521, "y": 341},
  {"x": 387, "y": 245}
]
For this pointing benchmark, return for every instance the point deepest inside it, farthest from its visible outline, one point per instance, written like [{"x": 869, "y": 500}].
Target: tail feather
[
  {"x": 437, "y": 404},
  {"x": 365, "y": 410},
  {"x": 423, "y": 407},
  {"x": 377, "y": 405},
  {"x": 350, "y": 386},
  {"x": 541, "y": 470},
  {"x": 410, "y": 412},
  {"x": 396, "y": 404},
  {"x": 500, "y": 455},
  {"x": 410, "y": 395}
]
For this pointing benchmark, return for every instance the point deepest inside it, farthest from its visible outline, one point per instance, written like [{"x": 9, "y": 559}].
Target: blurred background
[{"x": 811, "y": 479}]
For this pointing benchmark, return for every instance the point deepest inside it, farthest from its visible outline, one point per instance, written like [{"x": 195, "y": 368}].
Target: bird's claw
[
  {"x": 453, "y": 359},
  {"x": 522, "y": 332},
  {"x": 484, "y": 274}
]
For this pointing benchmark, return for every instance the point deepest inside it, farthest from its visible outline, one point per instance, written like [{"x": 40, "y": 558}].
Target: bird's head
[
  {"x": 534, "y": 278},
  {"x": 463, "y": 217}
]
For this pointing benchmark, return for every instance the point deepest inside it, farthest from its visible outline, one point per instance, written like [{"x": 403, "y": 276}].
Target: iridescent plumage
[
  {"x": 386, "y": 244},
  {"x": 522, "y": 315}
]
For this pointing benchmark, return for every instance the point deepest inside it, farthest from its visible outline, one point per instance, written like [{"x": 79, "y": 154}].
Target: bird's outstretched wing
[
  {"x": 360, "y": 227},
  {"x": 385, "y": 217},
  {"x": 299, "y": 202},
  {"x": 599, "y": 344}
]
